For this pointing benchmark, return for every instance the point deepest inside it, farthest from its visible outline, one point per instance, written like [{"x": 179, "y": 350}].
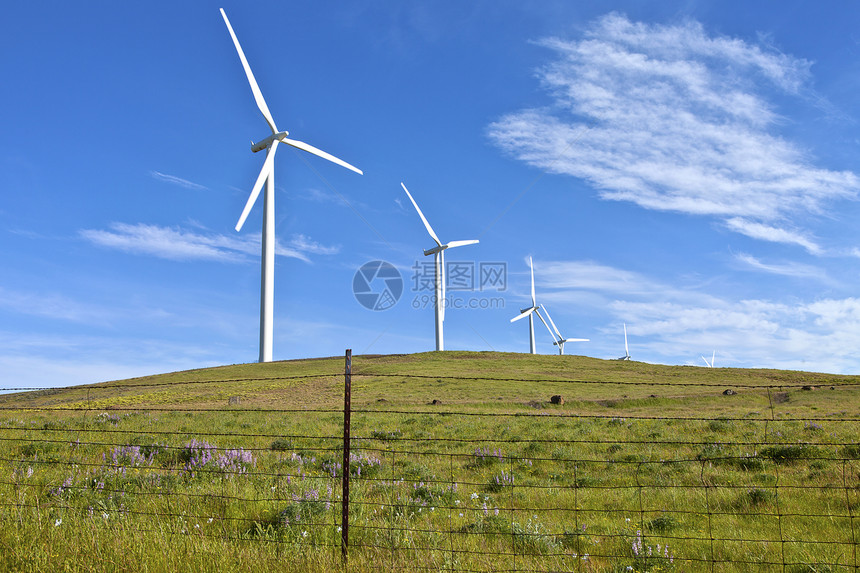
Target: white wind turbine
[
  {"x": 557, "y": 337},
  {"x": 528, "y": 312},
  {"x": 439, "y": 259},
  {"x": 711, "y": 363},
  {"x": 267, "y": 175},
  {"x": 626, "y": 348}
]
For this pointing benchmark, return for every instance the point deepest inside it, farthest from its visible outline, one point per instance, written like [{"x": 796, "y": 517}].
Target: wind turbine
[
  {"x": 626, "y": 348},
  {"x": 557, "y": 337},
  {"x": 528, "y": 312},
  {"x": 267, "y": 176},
  {"x": 439, "y": 259},
  {"x": 711, "y": 363}
]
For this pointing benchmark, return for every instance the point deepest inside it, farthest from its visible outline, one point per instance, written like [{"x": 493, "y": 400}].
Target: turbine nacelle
[
  {"x": 265, "y": 143},
  {"x": 434, "y": 250}
]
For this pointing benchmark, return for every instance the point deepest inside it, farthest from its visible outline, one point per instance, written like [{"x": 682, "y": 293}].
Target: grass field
[{"x": 643, "y": 468}]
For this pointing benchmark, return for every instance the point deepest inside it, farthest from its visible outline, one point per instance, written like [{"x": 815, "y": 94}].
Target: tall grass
[{"x": 165, "y": 474}]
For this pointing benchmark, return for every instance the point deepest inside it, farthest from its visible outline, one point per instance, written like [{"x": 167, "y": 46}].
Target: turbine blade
[
  {"x": 523, "y": 314},
  {"x": 551, "y": 335},
  {"x": 575, "y": 340},
  {"x": 453, "y": 244},
  {"x": 532, "y": 268},
  {"x": 420, "y": 214},
  {"x": 551, "y": 322},
  {"x": 258, "y": 95},
  {"x": 258, "y": 185},
  {"x": 320, "y": 153},
  {"x": 706, "y": 361}
]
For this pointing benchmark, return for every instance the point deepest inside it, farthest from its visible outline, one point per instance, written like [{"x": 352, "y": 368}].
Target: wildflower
[
  {"x": 461, "y": 514},
  {"x": 29, "y": 472},
  {"x": 304, "y": 534},
  {"x": 105, "y": 515},
  {"x": 474, "y": 496},
  {"x": 58, "y": 522},
  {"x": 339, "y": 528}
]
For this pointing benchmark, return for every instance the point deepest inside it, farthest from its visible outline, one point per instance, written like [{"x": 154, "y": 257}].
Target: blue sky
[{"x": 690, "y": 169}]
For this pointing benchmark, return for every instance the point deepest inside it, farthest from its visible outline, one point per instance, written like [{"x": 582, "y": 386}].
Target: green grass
[{"x": 640, "y": 458}]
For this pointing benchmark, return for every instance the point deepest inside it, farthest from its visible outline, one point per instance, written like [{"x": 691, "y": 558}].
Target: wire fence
[{"x": 503, "y": 487}]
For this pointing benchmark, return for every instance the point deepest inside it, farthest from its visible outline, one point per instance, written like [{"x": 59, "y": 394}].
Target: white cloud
[
  {"x": 304, "y": 244},
  {"x": 772, "y": 234},
  {"x": 673, "y": 119},
  {"x": 51, "y": 305},
  {"x": 668, "y": 320},
  {"x": 181, "y": 245},
  {"x": 797, "y": 270},
  {"x": 562, "y": 280},
  {"x": 177, "y": 181}
]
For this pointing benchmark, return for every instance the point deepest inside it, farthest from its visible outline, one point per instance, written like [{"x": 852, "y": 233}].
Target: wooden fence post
[{"x": 344, "y": 519}]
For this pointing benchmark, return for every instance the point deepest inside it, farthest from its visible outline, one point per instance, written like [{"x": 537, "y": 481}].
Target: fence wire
[{"x": 495, "y": 487}]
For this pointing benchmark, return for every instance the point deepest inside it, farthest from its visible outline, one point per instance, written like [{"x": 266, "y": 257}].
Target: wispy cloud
[
  {"x": 667, "y": 320},
  {"x": 51, "y": 305},
  {"x": 796, "y": 270},
  {"x": 177, "y": 181},
  {"x": 676, "y": 120},
  {"x": 566, "y": 280},
  {"x": 772, "y": 234},
  {"x": 177, "y": 244}
]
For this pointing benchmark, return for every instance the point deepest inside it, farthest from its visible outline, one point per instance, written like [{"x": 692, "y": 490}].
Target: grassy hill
[
  {"x": 459, "y": 462},
  {"x": 460, "y": 378}
]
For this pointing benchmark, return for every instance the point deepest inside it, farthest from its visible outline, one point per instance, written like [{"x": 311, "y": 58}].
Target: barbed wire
[{"x": 279, "y": 482}]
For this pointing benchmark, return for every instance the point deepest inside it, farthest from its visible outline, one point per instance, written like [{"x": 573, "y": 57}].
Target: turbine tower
[
  {"x": 528, "y": 312},
  {"x": 558, "y": 339},
  {"x": 439, "y": 262},
  {"x": 267, "y": 176}
]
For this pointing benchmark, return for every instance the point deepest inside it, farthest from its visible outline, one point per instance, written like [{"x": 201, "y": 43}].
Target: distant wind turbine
[
  {"x": 267, "y": 175},
  {"x": 439, "y": 259},
  {"x": 528, "y": 312},
  {"x": 711, "y": 363},
  {"x": 556, "y": 336},
  {"x": 626, "y": 348}
]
